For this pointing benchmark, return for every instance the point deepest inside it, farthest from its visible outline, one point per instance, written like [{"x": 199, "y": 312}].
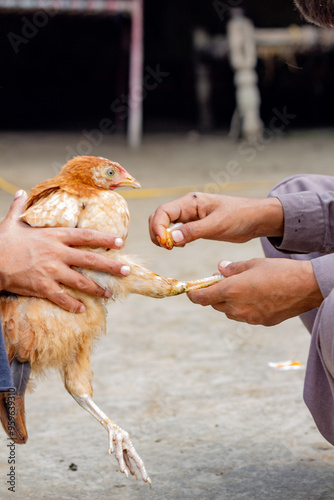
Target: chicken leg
[
  {"x": 78, "y": 382},
  {"x": 145, "y": 282}
]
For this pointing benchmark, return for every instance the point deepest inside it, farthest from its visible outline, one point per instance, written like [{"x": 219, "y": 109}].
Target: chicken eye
[{"x": 110, "y": 172}]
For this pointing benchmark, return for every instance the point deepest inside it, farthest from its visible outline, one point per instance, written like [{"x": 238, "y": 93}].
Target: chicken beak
[{"x": 129, "y": 181}]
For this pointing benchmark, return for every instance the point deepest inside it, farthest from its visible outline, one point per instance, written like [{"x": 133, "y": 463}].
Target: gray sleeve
[
  {"x": 324, "y": 272},
  {"x": 309, "y": 227},
  {"x": 308, "y": 222}
]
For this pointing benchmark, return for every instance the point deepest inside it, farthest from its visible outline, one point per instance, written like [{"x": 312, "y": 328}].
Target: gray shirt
[{"x": 309, "y": 227}]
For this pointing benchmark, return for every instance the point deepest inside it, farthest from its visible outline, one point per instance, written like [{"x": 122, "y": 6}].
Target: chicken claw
[{"x": 120, "y": 441}]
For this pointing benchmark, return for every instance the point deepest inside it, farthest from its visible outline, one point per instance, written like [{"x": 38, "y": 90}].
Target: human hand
[
  {"x": 262, "y": 291},
  {"x": 34, "y": 261},
  {"x": 217, "y": 217}
]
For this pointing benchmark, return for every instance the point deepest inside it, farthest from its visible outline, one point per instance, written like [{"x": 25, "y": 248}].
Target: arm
[
  {"x": 34, "y": 261},
  {"x": 217, "y": 217}
]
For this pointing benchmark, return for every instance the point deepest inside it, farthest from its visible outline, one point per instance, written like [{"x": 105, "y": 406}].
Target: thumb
[
  {"x": 190, "y": 231},
  {"x": 227, "y": 268},
  {"x": 17, "y": 207}
]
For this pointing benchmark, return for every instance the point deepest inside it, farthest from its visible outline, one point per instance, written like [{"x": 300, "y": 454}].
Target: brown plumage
[{"x": 40, "y": 335}]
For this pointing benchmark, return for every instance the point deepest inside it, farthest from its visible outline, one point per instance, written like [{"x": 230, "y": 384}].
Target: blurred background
[
  {"x": 193, "y": 388},
  {"x": 67, "y": 74}
]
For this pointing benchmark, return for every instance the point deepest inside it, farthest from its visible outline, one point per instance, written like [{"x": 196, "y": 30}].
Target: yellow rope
[
  {"x": 174, "y": 191},
  {"x": 7, "y": 186}
]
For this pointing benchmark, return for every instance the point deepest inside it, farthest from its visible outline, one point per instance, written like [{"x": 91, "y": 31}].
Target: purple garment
[
  {"x": 308, "y": 204},
  {"x": 6, "y": 381}
]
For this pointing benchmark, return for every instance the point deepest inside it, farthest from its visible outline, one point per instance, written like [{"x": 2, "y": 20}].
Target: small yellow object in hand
[{"x": 167, "y": 241}]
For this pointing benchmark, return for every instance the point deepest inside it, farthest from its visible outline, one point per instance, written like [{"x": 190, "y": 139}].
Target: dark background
[{"x": 68, "y": 74}]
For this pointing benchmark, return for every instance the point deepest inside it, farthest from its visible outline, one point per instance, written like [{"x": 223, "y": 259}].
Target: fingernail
[
  {"x": 125, "y": 270},
  {"x": 18, "y": 193},
  {"x": 224, "y": 263},
  {"x": 107, "y": 294},
  {"x": 177, "y": 236},
  {"x": 82, "y": 309},
  {"x": 118, "y": 242}
]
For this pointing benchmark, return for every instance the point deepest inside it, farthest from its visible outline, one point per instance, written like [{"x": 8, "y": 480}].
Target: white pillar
[
  {"x": 243, "y": 57},
  {"x": 135, "y": 123}
]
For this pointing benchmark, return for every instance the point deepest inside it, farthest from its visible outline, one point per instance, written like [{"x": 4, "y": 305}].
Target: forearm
[{"x": 266, "y": 218}]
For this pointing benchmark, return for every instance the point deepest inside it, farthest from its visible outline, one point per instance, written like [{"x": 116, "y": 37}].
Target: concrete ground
[{"x": 210, "y": 419}]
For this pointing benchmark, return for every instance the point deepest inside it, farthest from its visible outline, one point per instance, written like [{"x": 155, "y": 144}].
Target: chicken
[{"x": 40, "y": 335}]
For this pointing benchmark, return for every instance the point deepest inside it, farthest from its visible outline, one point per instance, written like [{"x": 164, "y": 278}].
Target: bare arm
[
  {"x": 217, "y": 217},
  {"x": 34, "y": 261}
]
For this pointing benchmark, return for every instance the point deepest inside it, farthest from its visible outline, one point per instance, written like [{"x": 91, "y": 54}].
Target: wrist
[{"x": 269, "y": 218}]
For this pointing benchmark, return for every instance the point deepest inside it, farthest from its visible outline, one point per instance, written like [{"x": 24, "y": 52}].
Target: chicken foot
[
  {"x": 118, "y": 439},
  {"x": 187, "y": 286}
]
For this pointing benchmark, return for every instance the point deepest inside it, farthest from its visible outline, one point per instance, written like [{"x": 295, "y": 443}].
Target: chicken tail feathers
[{"x": 12, "y": 412}]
